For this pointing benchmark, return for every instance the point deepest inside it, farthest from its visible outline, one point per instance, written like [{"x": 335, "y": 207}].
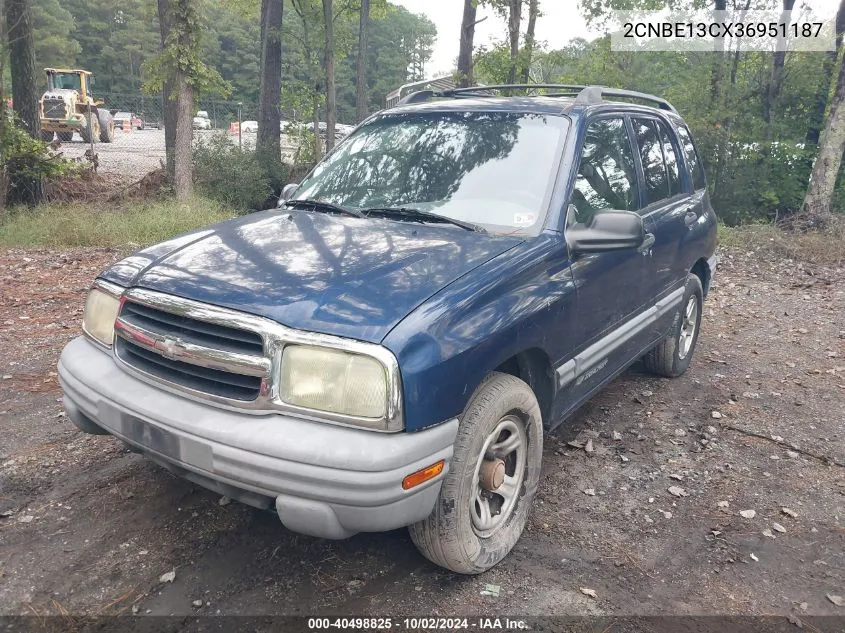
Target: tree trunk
[
  {"x": 814, "y": 129},
  {"x": 465, "y": 78},
  {"x": 182, "y": 155},
  {"x": 268, "y": 140},
  {"x": 361, "y": 93},
  {"x": 775, "y": 84},
  {"x": 717, "y": 70},
  {"x": 533, "y": 11},
  {"x": 24, "y": 189},
  {"x": 168, "y": 95},
  {"x": 331, "y": 96},
  {"x": 514, "y": 17},
  {"x": 826, "y": 167},
  {"x": 183, "y": 152}
]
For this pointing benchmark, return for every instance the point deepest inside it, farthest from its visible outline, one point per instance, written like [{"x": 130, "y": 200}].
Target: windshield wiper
[
  {"x": 422, "y": 216},
  {"x": 319, "y": 205}
]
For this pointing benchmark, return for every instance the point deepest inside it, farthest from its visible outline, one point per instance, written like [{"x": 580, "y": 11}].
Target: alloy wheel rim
[
  {"x": 688, "y": 327},
  {"x": 499, "y": 474}
]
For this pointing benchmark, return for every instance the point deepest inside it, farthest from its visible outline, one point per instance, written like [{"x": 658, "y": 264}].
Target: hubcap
[
  {"x": 688, "y": 326},
  {"x": 498, "y": 476}
]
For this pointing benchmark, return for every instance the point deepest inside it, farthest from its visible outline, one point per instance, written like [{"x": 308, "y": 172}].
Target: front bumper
[{"x": 324, "y": 480}]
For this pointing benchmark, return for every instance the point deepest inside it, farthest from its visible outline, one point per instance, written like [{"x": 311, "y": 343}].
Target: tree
[
  {"x": 269, "y": 103},
  {"x": 168, "y": 107},
  {"x": 820, "y": 191},
  {"x": 514, "y": 18},
  {"x": 533, "y": 12},
  {"x": 465, "y": 77},
  {"x": 361, "y": 106},
  {"x": 25, "y": 189},
  {"x": 328, "y": 60}
]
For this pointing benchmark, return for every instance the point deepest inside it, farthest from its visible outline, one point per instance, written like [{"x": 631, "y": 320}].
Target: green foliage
[
  {"x": 127, "y": 225},
  {"x": 182, "y": 53},
  {"x": 23, "y": 158},
  {"x": 232, "y": 176}
]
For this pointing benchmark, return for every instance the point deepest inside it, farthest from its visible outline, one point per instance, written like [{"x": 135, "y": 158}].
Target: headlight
[
  {"x": 334, "y": 381},
  {"x": 100, "y": 312}
]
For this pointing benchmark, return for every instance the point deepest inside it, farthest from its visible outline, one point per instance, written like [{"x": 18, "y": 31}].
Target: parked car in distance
[
  {"x": 201, "y": 121},
  {"x": 135, "y": 121},
  {"x": 249, "y": 126},
  {"x": 387, "y": 348}
]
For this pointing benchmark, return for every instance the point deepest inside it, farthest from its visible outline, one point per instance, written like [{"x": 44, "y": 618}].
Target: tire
[
  {"x": 450, "y": 536},
  {"x": 46, "y": 136},
  {"x": 65, "y": 137},
  {"x": 671, "y": 356},
  {"x": 106, "y": 122},
  {"x": 85, "y": 134}
]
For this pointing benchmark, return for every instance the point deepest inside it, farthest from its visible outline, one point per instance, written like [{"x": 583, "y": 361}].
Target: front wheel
[
  {"x": 671, "y": 356},
  {"x": 494, "y": 473}
]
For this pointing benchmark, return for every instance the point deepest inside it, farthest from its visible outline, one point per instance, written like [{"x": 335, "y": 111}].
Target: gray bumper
[{"x": 323, "y": 480}]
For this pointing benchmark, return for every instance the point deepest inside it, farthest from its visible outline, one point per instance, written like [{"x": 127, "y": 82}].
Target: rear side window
[
  {"x": 695, "y": 170},
  {"x": 671, "y": 161},
  {"x": 606, "y": 174}
]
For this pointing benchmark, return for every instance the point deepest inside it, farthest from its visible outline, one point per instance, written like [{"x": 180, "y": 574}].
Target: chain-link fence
[{"x": 138, "y": 145}]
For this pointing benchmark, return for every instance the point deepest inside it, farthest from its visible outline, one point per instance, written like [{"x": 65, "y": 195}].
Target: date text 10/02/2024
[{"x": 418, "y": 623}]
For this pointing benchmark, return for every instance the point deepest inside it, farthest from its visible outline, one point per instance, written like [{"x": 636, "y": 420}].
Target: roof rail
[
  {"x": 595, "y": 94},
  {"x": 584, "y": 95}
]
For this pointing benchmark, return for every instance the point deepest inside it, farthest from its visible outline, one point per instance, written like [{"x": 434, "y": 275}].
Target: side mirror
[
  {"x": 607, "y": 231},
  {"x": 288, "y": 190}
]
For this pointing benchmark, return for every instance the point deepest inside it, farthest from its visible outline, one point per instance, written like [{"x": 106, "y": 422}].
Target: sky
[{"x": 559, "y": 23}]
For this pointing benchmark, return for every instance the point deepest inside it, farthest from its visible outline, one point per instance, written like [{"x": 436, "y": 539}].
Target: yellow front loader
[{"x": 68, "y": 107}]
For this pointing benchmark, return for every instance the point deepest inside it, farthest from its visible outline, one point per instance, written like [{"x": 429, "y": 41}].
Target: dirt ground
[{"x": 87, "y": 527}]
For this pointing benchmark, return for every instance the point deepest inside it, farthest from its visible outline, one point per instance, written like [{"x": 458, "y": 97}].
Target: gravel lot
[
  {"x": 755, "y": 425},
  {"x": 135, "y": 153}
]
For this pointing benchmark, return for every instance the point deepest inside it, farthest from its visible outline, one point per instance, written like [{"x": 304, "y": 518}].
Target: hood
[{"x": 323, "y": 273}]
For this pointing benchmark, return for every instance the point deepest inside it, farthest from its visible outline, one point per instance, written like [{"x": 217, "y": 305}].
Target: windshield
[
  {"x": 70, "y": 81},
  {"x": 495, "y": 169},
  {"x": 122, "y": 115}
]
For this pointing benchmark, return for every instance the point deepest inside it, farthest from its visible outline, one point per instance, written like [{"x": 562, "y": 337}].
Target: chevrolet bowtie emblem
[{"x": 170, "y": 347}]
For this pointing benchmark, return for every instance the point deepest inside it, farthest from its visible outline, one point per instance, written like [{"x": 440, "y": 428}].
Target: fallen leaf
[
  {"x": 168, "y": 577},
  {"x": 748, "y": 514},
  {"x": 594, "y": 595},
  {"x": 837, "y": 600},
  {"x": 677, "y": 491}
]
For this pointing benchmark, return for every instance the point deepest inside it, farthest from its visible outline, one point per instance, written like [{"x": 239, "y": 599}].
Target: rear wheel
[
  {"x": 671, "y": 357},
  {"x": 65, "y": 137},
  {"x": 494, "y": 473}
]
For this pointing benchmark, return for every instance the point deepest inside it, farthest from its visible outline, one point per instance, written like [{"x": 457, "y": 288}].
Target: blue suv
[{"x": 387, "y": 347}]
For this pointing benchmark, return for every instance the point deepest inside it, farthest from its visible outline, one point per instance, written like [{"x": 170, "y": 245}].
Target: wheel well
[
  {"x": 702, "y": 271},
  {"x": 533, "y": 367}
]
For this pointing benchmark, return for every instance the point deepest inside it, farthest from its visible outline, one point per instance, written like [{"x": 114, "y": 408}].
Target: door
[
  {"x": 608, "y": 285},
  {"x": 668, "y": 212}
]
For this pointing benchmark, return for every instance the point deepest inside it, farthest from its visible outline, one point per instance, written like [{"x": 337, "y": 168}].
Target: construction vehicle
[{"x": 68, "y": 107}]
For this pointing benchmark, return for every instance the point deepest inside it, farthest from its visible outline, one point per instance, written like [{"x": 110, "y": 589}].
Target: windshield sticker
[{"x": 524, "y": 219}]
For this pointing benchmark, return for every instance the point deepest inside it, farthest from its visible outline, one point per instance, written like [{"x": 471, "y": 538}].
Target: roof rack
[{"x": 584, "y": 95}]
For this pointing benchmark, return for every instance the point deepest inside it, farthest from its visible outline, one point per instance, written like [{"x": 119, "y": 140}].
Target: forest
[{"x": 759, "y": 117}]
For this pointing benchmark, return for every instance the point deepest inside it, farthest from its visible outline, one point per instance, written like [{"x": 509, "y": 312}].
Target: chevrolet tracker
[{"x": 386, "y": 348}]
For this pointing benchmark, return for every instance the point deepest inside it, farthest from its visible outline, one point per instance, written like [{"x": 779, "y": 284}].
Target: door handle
[
  {"x": 690, "y": 218},
  {"x": 648, "y": 242}
]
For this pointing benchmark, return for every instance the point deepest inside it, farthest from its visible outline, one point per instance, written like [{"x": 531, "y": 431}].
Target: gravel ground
[
  {"x": 720, "y": 492},
  {"x": 138, "y": 152}
]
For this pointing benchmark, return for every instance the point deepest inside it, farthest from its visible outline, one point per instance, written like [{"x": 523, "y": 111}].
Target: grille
[
  {"x": 165, "y": 326},
  {"x": 54, "y": 109}
]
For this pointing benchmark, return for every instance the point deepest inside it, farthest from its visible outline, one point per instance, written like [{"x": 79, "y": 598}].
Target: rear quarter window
[{"x": 691, "y": 154}]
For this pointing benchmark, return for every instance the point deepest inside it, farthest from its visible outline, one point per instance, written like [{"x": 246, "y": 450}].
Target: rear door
[{"x": 667, "y": 207}]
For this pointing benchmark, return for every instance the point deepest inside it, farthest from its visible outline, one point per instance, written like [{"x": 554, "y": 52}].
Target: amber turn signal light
[{"x": 422, "y": 476}]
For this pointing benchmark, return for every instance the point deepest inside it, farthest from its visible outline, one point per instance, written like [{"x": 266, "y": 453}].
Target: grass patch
[
  {"x": 122, "y": 224},
  {"x": 825, "y": 247}
]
